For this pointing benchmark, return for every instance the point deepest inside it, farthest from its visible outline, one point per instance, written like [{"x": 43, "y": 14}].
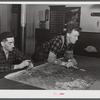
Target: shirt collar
[{"x": 5, "y": 51}]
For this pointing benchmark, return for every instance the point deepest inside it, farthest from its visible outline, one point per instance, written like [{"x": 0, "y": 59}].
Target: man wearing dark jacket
[
  {"x": 60, "y": 45},
  {"x": 10, "y": 57}
]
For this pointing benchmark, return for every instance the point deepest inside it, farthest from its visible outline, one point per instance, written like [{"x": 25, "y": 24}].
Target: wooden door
[{"x": 16, "y": 23}]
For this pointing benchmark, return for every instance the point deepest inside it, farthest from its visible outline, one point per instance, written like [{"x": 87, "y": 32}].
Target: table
[
  {"x": 51, "y": 77},
  {"x": 6, "y": 84}
]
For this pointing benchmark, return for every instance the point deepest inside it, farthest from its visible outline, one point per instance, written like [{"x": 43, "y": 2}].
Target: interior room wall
[
  {"x": 87, "y": 22},
  {"x": 5, "y": 17},
  {"x": 32, "y": 20}
]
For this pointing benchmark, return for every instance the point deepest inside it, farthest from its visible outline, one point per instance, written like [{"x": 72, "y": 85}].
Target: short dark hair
[
  {"x": 69, "y": 27},
  {"x": 5, "y": 35},
  {"x": 73, "y": 27}
]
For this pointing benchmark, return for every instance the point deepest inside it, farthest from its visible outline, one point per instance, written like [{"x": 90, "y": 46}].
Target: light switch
[{"x": 97, "y": 23}]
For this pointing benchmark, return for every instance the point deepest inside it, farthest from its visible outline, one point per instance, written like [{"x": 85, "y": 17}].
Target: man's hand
[
  {"x": 24, "y": 64},
  {"x": 73, "y": 61},
  {"x": 67, "y": 64},
  {"x": 30, "y": 66}
]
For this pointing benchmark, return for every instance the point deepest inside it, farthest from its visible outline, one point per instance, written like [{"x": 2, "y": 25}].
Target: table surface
[
  {"x": 6, "y": 83},
  {"x": 90, "y": 64}
]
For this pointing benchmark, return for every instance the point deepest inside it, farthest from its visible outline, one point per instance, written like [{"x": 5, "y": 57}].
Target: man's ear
[{"x": 2, "y": 43}]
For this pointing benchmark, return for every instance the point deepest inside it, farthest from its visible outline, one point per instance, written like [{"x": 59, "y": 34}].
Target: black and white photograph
[{"x": 50, "y": 46}]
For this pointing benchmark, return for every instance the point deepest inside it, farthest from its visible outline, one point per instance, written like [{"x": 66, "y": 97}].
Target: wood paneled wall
[{"x": 5, "y": 17}]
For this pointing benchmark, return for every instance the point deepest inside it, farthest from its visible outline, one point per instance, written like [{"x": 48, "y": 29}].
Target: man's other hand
[{"x": 73, "y": 61}]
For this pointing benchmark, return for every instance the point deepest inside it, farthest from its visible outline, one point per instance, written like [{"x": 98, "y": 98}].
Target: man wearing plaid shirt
[
  {"x": 10, "y": 57},
  {"x": 60, "y": 45}
]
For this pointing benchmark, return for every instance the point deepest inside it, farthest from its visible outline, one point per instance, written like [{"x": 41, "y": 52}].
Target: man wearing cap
[
  {"x": 10, "y": 57},
  {"x": 59, "y": 45}
]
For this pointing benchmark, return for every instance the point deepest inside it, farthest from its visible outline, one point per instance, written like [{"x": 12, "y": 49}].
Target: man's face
[
  {"x": 9, "y": 44},
  {"x": 73, "y": 36}
]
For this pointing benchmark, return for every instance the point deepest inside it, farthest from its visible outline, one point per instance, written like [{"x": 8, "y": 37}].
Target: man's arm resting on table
[
  {"x": 8, "y": 67},
  {"x": 20, "y": 56},
  {"x": 69, "y": 56},
  {"x": 24, "y": 64},
  {"x": 52, "y": 59}
]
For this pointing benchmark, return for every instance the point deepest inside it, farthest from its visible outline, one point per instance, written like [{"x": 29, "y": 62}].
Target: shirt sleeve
[
  {"x": 6, "y": 67},
  {"x": 68, "y": 54},
  {"x": 20, "y": 56},
  {"x": 56, "y": 45}
]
